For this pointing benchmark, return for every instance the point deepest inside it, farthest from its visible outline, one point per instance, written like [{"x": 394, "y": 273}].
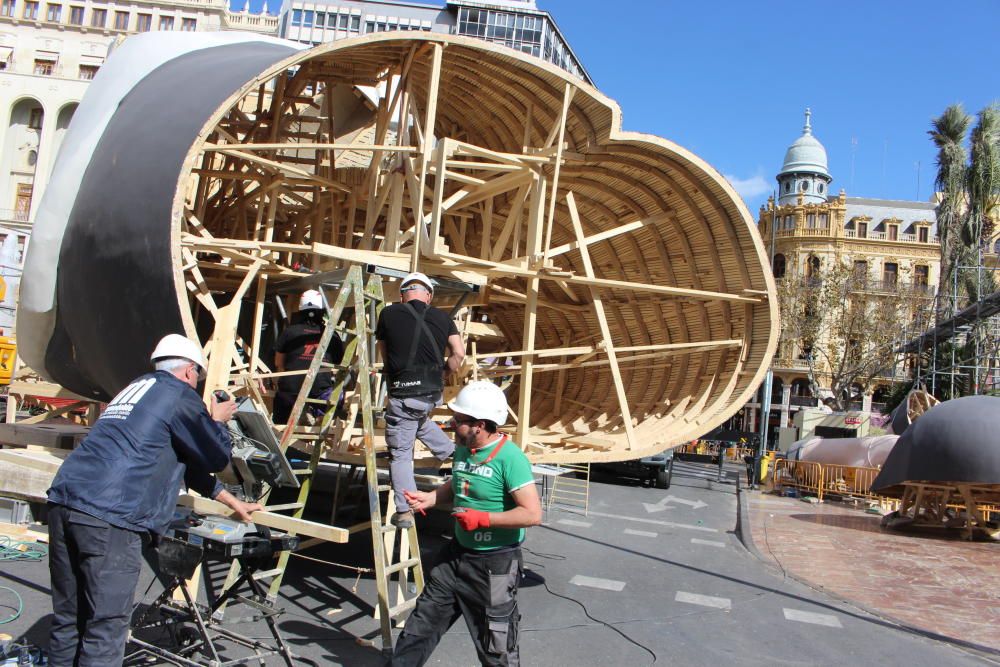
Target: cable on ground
[
  {"x": 11, "y": 549},
  {"x": 20, "y": 606},
  {"x": 582, "y": 606}
]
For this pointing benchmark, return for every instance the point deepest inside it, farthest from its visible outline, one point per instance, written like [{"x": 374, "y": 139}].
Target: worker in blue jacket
[{"x": 117, "y": 491}]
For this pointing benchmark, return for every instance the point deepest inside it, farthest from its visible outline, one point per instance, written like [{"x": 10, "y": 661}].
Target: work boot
[{"x": 402, "y": 519}]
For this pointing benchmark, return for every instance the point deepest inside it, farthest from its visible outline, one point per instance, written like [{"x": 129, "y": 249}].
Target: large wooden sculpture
[{"x": 623, "y": 296}]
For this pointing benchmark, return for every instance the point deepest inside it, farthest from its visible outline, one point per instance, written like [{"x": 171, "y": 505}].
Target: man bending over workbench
[{"x": 118, "y": 489}]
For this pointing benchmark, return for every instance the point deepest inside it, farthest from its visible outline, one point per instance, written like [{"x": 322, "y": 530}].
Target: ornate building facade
[
  {"x": 49, "y": 53},
  {"x": 889, "y": 245}
]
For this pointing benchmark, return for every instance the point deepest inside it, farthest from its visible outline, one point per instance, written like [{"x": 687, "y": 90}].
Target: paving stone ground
[{"x": 933, "y": 582}]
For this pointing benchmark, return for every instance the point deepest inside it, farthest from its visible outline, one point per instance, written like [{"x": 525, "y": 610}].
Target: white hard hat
[
  {"x": 417, "y": 277},
  {"x": 311, "y": 299},
  {"x": 483, "y": 400},
  {"x": 176, "y": 345}
]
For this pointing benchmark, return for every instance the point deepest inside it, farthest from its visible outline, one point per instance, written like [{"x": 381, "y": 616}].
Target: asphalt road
[{"x": 646, "y": 576}]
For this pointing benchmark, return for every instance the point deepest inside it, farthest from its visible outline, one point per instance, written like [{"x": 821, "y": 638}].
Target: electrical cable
[
  {"x": 11, "y": 549},
  {"x": 582, "y": 606},
  {"x": 20, "y": 606}
]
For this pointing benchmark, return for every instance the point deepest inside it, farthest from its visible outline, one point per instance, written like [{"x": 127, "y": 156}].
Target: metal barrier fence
[
  {"x": 850, "y": 481},
  {"x": 802, "y": 475},
  {"x": 844, "y": 482}
]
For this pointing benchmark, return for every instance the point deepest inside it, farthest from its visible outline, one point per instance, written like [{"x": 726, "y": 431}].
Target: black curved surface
[
  {"x": 115, "y": 285},
  {"x": 955, "y": 441}
]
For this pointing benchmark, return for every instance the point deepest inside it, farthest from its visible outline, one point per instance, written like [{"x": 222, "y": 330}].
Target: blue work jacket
[{"x": 155, "y": 434}]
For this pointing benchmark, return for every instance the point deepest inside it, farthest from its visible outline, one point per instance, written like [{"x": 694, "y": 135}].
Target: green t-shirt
[{"x": 484, "y": 481}]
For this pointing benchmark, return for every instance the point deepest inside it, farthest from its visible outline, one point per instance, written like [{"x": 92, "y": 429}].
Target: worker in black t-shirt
[
  {"x": 412, "y": 340},
  {"x": 294, "y": 351}
]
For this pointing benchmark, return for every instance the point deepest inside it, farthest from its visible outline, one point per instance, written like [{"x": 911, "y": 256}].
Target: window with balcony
[
  {"x": 779, "y": 266},
  {"x": 30, "y": 11},
  {"x": 121, "y": 20},
  {"x": 789, "y": 222},
  {"x": 44, "y": 68},
  {"x": 166, "y": 23},
  {"x": 860, "y": 270},
  {"x": 862, "y": 228},
  {"x": 98, "y": 18},
  {"x": 53, "y": 13},
  {"x": 143, "y": 22},
  {"x": 890, "y": 274},
  {"x": 811, "y": 221},
  {"x": 923, "y": 233},
  {"x": 824, "y": 220},
  {"x": 35, "y": 117},
  {"x": 812, "y": 267},
  {"x": 7, "y": 7},
  {"x": 893, "y": 232},
  {"x": 88, "y": 72},
  {"x": 189, "y": 25}
]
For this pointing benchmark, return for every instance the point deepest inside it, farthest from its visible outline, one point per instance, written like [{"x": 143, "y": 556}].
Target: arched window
[
  {"x": 779, "y": 266},
  {"x": 800, "y": 387},
  {"x": 812, "y": 267}
]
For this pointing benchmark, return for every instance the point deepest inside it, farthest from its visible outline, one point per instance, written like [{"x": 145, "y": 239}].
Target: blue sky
[{"x": 730, "y": 79}]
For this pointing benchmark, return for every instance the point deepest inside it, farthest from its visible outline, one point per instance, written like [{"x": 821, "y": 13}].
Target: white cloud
[{"x": 750, "y": 188}]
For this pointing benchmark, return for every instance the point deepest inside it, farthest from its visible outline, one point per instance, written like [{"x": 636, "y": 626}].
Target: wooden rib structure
[{"x": 625, "y": 301}]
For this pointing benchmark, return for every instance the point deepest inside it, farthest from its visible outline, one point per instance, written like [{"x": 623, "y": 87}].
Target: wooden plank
[{"x": 270, "y": 519}]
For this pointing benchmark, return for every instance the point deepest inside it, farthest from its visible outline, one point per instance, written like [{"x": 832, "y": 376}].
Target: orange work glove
[{"x": 471, "y": 519}]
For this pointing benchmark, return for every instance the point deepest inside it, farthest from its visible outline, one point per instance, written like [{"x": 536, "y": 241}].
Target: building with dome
[{"x": 891, "y": 245}]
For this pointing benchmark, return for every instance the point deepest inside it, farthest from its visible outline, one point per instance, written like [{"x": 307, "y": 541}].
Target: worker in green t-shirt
[{"x": 478, "y": 573}]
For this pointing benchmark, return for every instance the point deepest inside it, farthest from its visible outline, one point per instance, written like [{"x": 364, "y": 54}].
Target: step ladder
[{"x": 396, "y": 552}]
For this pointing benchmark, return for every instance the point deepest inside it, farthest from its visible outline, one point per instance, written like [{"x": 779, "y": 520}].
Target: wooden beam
[
  {"x": 270, "y": 519},
  {"x": 602, "y": 320}
]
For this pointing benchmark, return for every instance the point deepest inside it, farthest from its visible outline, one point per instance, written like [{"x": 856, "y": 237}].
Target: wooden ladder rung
[
  {"x": 402, "y": 565},
  {"x": 402, "y": 607},
  {"x": 266, "y": 574}
]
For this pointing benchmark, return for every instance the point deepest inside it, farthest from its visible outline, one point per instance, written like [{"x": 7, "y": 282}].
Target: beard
[{"x": 468, "y": 440}]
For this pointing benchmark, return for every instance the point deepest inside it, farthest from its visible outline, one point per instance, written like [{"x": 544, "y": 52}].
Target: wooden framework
[{"x": 625, "y": 299}]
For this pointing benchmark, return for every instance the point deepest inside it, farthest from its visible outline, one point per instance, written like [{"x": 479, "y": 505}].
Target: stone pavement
[{"x": 946, "y": 587}]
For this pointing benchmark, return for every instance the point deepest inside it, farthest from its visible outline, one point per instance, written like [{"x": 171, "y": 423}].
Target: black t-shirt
[
  {"x": 299, "y": 342},
  {"x": 397, "y": 327}
]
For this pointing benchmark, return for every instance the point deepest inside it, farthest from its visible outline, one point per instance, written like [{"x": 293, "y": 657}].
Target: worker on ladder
[
  {"x": 477, "y": 573},
  {"x": 412, "y": 339},
  {"x": 294, "y": 351}
]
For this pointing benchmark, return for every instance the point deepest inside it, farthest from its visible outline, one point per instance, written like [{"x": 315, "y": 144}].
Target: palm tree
[
  {"x": 948, "y": 135},
  {"x": 984, "y": 196},
  {"x": 983, "y": 186}
]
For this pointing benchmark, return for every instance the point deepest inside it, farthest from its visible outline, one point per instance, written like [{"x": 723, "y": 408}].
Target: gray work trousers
[
  {"x": 407, "y": 419},
  {"x": 94, "y": 569}
]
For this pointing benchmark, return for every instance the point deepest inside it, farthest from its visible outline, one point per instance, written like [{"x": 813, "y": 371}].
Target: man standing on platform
[
  {"x": 478, "y": 573},
  {"x": 118, "y": 488},
  {"x": 412, "y": 340}
]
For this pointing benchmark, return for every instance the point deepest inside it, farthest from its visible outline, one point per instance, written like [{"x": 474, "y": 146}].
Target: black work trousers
[
  {"x": 482, "y": 587},
  {"x": 94, "y": 569}
]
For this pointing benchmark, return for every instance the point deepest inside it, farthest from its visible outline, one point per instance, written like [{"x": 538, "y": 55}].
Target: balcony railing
[{"x": 14, "y": 215}]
